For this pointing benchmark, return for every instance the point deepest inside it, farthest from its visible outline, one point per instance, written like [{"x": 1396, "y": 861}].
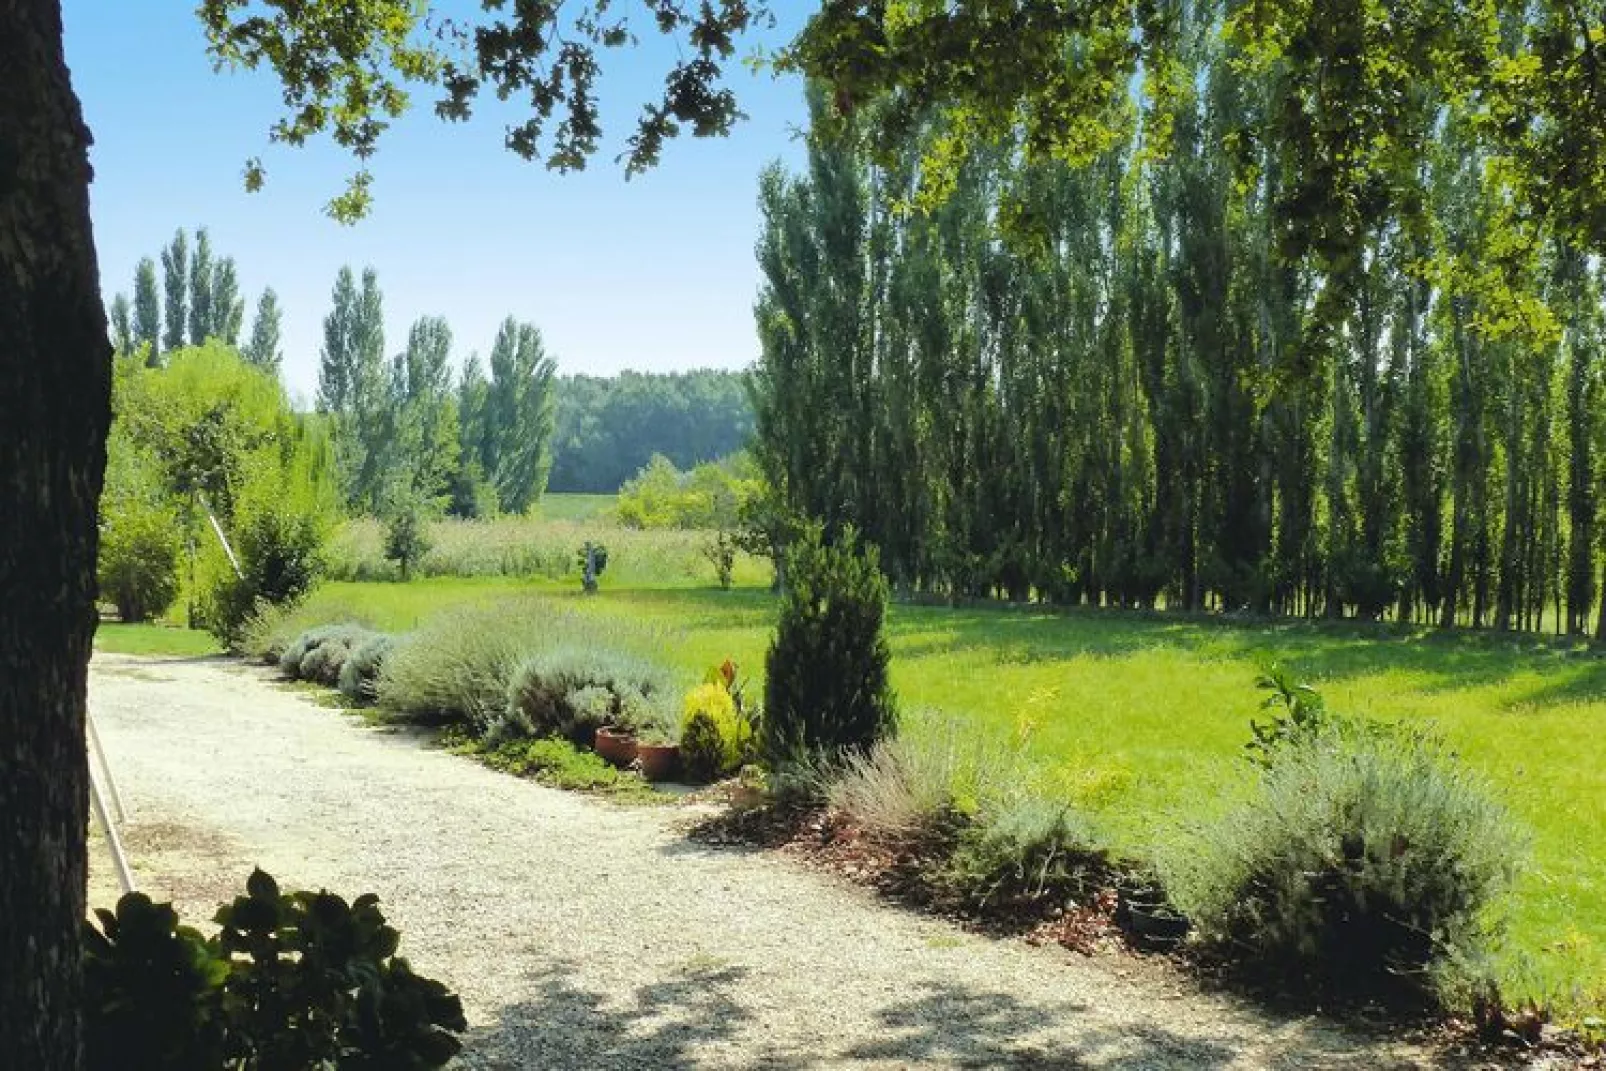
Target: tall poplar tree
[
  {"x": 176, "y": 281},
  {"x": 337, "y": 360},
  {"x": 120, "y": 316},
  {"x": 262, "y": 349},
  {"x": 228, "y": 307},
  {"x": 202, "y": 315},
  {"x": 422, "y": 446},
  {"x": 147, "y": 309},
  {"x": 519, "y": 408}
]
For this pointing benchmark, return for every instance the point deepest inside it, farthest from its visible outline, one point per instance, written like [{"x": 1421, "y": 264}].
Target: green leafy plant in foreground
[
  {"x": 1298, "y": 714},
  {"x": 292, "y": 980}
]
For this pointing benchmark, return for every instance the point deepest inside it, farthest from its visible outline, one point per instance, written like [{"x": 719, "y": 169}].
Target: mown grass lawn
[
  {"x": 1142, "y": 718},
  {"x": 155, "y": 640}
]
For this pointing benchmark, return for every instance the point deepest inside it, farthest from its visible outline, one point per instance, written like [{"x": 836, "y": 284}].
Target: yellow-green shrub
[{"x": 714, "y": 735}]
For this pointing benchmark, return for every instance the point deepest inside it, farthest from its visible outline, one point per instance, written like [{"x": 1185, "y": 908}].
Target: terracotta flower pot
[
  {"x": 657, "y": 762},
  {"x": 616, "y": 746}
]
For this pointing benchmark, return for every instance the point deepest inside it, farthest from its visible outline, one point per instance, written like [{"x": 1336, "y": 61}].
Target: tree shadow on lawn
[
  {"x": 696, "y": 1017},
  {"x": 1322, "y": 650}
]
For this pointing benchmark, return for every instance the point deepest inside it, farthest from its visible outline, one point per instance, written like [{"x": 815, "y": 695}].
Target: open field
[
  {"x": 541, "y": 548},
  {"x": 1142, "y": 718},
  {"x": 556, "y": 506}
]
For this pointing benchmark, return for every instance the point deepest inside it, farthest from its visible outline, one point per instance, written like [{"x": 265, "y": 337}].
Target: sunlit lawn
[
  {"x": 1142, "y": 719},
  {"x": 165, "y": 640}
]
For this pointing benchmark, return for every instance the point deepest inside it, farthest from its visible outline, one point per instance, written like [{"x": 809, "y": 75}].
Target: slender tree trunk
[
  {"x": 55, "y": 386},
  {"x": 1508, "y": 594},
  {"x": 1600, "y": 616}
]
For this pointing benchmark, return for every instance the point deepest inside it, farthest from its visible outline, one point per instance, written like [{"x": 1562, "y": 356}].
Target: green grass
[
  {"x": 574, "y": 507},
  {"x": 1142, "y": 718},
  {"x": 559, "y": 764},
  {"x": 155, "y": 640}
]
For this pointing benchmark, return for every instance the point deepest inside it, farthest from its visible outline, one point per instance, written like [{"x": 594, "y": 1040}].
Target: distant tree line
[
  {"x": 1106, "y": 385},
  {"x": 198, "y": 299},
  {"x": 412, "y": 433},
  {"x": 608, "y": 429},
  {"x": 410, "y": 436}
]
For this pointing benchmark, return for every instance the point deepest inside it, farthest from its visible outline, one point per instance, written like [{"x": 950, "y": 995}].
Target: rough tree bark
[{"x": 55, "y": 387}]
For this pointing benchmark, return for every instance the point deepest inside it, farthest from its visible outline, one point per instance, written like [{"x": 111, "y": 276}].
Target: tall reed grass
[{"x": 538, "y": 547}]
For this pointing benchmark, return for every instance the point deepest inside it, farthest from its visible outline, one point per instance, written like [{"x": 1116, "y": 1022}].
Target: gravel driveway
[{"x": 586, "y": 935}]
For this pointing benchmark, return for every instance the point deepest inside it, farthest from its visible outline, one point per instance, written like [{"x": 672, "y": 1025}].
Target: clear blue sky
[{"x": 657, "y": 273}]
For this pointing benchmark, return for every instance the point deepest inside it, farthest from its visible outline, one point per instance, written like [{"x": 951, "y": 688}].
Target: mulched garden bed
[{"x": 1088, "y": 925}]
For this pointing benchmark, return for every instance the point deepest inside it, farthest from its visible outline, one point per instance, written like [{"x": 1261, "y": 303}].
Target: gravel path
[{"x": 586, "y": 935}]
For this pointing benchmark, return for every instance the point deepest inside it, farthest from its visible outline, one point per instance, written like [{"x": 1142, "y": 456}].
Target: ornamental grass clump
[
  {"x": 1367, "y": 858},
  {"x": 911, "y": 788}
]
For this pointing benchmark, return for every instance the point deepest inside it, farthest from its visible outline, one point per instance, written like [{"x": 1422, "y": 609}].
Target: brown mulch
[{"x": 828, "y": 841}]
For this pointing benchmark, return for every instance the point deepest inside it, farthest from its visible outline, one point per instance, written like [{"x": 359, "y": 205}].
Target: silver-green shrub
[
  {"x": 1365, "y": 859},
  {"x": 319, "y": 654},
  {"x": 359, "y": 676},
  {"x": 459, "y": 667},
  {"x": 573, "y": 691},
  {"x": 271, "y": 628}
]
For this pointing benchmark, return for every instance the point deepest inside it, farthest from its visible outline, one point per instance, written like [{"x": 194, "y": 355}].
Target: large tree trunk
[{"x": 55, "y": 385}]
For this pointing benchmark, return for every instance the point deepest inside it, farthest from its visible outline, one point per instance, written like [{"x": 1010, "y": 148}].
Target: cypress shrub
[{"x": 826, "y": 689}]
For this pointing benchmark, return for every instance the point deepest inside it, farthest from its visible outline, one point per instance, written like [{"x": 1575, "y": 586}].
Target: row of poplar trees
[
  {"x": 1072, "y": 384},
  {"x": 409, "y": 435},
  {"x": 197, "y": 299}
]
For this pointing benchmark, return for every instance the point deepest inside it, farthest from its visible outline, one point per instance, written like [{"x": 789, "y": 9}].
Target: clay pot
[
  {"x": 657, "y": 762},
  {"x": 616, "y": 746}
]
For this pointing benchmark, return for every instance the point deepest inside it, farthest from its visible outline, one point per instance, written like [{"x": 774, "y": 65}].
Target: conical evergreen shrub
[{"x": 826, "y": 687}]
